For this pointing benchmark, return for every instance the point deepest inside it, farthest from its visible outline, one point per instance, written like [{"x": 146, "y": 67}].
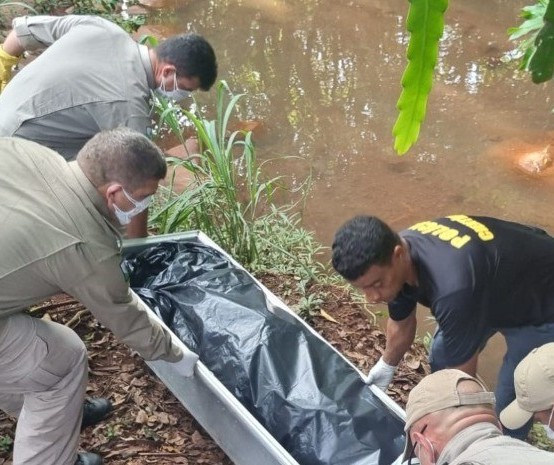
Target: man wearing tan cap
[
  {"x": 450, "y": 420},
  {"x": 534, "y": 383}
]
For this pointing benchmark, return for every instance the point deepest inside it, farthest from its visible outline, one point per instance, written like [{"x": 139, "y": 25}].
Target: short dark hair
[
  {"x": 360, "y": 243},
  {"x": 121, "y": 155},
  {"x": 192, "y": 56}
]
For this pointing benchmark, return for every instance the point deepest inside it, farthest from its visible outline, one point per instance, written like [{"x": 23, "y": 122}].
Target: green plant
[
  {"x": 228, "y": 192},
  {"x": 47, "y": 6},
  {"x": 309, "y": 304},
  {"x": 149, "y": 40},
  {"x": 5, "y": 443},
  {"x": 538, "y": 438},
  {"x": 286, "y": 247},
  {"x": 108, "y": 9},
  {"x": 112, "y": 431},
  {"x": 427, "y": 341},
  {"x": 537, "y": 48},
  {"x": 230, "y": 202},
  {"x": 425, "y": 22}
]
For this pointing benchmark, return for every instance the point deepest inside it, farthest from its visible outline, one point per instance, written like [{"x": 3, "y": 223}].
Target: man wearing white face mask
[
  {"x": 450, "y": 420},
  {"x": 60, "y": 234},
  {"x": 92, "y": 76},
  {"x": 125, "y": 217},
  {"x": 534, "y": 383}
]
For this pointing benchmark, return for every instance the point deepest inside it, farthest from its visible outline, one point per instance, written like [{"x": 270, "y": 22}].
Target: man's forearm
[
  {"x": 400, "y": 336},
  {"x": 12, "y": 46}
]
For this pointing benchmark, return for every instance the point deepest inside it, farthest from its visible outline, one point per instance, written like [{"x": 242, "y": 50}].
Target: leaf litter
[{"x": 149, "y": 425}]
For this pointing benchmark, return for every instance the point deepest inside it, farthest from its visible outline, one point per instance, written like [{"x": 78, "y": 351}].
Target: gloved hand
[
  {"x": 185, "y": 366},
  {"x": 381, "y": 375},
  {"x": 7, "y": 62}
]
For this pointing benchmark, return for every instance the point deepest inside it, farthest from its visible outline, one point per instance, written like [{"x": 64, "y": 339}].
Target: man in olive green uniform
[
  {"x": 90, "y": 76},
  {"x": 59, "y": 233}
]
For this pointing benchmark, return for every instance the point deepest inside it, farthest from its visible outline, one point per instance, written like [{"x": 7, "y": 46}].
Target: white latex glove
[
  {"x": 381, "y": 374},
  {"x": 185, "y": 366}
]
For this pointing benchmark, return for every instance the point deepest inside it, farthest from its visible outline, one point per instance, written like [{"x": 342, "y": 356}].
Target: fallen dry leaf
[{"x": 328, "y": 317}]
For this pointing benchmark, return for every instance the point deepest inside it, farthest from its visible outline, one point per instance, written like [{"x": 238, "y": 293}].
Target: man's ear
[
  {"x": 424, "y": 447},
  {"x": 110, "y": 190},
  {"x": 398, "y": 251},
  {"x": 168, "y": 69}
]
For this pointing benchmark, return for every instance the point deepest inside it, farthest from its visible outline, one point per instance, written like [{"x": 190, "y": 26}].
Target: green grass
[
  {"x": 6, "y": 443},
  {"x": 229, "y": 192},
  {"x": 538, "y": 438}
]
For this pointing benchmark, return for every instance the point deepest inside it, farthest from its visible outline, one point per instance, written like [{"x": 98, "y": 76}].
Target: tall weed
[{"x": 228, "y": 191}]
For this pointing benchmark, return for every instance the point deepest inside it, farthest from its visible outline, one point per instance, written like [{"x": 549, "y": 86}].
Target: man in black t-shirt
[{"x": 478, "y": 276}]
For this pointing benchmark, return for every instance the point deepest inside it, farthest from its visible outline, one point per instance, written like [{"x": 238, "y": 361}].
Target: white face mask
[
  {"x": 175, "y": 94},
  {"x": 125, "y": 218},
  {"x": 547, "y": 429},
  {"x": 418, "y": 451}
]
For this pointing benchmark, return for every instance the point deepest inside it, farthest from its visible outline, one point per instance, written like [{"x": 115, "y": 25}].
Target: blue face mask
[
  {"x": 125, "y": 218},
  {"x": 175, "y": 94}
]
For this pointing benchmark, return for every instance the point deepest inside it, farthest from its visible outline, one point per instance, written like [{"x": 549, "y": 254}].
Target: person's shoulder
[
  {"x": 504, "y": 450},
  {"x": 24, "y": 148},
  {"x": 103, "y": 23}
]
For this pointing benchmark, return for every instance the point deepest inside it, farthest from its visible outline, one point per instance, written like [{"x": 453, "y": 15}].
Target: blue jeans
[{"x": 519, "y": 341}]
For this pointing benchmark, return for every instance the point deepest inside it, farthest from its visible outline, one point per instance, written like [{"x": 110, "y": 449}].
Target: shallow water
[{"x": 322, "y": 79}]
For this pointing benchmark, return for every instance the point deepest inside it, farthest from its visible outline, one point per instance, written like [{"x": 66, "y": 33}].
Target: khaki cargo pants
[{"x": 43, "y": 376}]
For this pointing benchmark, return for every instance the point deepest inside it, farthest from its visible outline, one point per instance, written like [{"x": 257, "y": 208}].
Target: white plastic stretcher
[{"x": 225, "y": 419}]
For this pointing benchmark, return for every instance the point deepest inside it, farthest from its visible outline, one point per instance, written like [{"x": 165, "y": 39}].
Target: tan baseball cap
[
  {"x": 439, "y": 391},
  {"x": 534, "y": 383}
]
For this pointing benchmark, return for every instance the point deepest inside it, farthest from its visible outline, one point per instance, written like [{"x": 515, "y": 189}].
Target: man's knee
[
  {"x": 65, "y": 351},
  {"x": 437, "y": 354}
]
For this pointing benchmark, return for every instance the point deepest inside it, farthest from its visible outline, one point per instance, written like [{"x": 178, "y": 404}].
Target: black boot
[
  {"x": 87, "y": 458},
  {"x": 94, "y": 410}
]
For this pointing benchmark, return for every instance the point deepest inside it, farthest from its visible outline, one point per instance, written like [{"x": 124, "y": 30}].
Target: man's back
[
  {"x": 52, "y": 221},
  {"x": 504, "y": 266},
  {"x": 477, "y": 275},
  {"x": 92, "y": 77}
]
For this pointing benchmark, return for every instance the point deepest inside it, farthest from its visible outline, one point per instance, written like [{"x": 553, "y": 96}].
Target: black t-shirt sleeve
[{"x": 401, "y": 307}]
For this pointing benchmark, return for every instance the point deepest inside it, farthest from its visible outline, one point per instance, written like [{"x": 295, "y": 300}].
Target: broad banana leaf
[{"x": 425, "y": 23}]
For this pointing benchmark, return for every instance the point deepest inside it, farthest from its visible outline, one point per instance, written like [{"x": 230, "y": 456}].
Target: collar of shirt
[
  {"x": 465, "y": 438},
  {"x": 91, "y": 195},
  {"x": 147, "y": 64}
]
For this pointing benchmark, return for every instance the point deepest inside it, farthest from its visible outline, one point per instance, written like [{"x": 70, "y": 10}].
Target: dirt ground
[{"x": 148, "y": 425}]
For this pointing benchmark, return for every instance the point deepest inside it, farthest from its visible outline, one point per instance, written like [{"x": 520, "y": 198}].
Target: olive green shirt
[
  {"x": 484, "y": 444},
  {"x": 91, "y": 76},
  {"x": 56, "y": 235}
]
